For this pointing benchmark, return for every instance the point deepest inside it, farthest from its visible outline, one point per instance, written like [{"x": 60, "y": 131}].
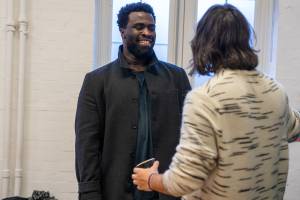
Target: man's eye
[
  {"x": 139, "y": 26},
  {"x": 151, "y": 27}
]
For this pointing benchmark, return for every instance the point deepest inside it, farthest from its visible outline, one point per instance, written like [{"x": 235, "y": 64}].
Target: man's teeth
[{"x": 144, "y": 42}]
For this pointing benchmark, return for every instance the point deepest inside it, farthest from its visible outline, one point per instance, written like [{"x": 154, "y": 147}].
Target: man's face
[{"x": 139, "y": 34}]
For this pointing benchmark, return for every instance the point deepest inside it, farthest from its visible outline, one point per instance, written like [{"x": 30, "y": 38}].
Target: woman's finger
[
  {"x": 134, "y": 182},
  {"x": 155, "y": 165},
  {"x": 136, "y": 170}
]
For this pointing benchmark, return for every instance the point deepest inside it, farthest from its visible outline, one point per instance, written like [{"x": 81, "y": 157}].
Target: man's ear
[{"x": 122, "y": 32}]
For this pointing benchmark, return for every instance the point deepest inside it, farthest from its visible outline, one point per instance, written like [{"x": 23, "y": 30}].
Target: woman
[{"x": 235, "y": 129}]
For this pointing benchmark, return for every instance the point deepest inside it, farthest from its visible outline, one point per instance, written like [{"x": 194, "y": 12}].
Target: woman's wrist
[{"x": 149, "y": 180}]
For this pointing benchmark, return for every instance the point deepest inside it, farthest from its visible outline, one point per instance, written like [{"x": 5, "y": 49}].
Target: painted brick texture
[{"x": 60, "y": 53}]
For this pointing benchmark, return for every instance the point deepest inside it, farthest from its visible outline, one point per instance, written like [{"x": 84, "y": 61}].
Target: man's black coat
[{"x": 106, "y": 125}]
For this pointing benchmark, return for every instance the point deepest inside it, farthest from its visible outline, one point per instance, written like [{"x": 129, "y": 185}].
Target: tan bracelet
[{"x": 149, "y": 180}]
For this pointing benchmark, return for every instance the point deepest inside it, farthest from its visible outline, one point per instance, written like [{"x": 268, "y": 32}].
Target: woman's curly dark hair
[
  {"x": 133, "y": 7},
  {"x": 223, "y": 40}
]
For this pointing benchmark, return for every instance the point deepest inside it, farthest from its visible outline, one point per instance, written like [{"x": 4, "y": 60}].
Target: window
[{"x": 176, "y": 23}]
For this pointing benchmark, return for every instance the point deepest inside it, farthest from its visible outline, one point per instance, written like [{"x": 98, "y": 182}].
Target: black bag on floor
[{"x": 41, "y": 195}]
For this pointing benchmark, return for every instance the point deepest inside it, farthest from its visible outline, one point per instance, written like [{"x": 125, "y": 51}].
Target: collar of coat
[{"x": 152, "y": 66}]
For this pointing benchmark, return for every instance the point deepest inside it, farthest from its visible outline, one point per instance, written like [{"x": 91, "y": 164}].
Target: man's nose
[{"x": 147, "y": 31}]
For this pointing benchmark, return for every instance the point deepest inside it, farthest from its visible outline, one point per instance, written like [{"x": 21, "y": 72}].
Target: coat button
[{"x": 134, "y": 127}]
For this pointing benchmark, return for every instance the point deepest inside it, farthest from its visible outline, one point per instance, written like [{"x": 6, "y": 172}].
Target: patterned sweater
[{"x": 234, "y": 142}]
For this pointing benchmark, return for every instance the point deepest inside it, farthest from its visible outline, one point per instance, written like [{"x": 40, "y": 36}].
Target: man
[{"x": 128, "y": 111}]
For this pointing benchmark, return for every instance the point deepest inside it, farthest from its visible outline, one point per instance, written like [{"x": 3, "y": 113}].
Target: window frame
[
  {"x": 102, "y": 32},
  {"x": 266, "y": 29},
  {"x": 183, "y": 16}
]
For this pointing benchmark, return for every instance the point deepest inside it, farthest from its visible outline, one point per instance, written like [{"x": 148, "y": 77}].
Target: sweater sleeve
[
  {"x": 293, "y": 125},
  {"x": 196, "y": 153}
]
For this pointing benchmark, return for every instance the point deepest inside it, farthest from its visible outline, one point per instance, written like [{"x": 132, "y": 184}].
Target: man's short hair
[{"x": 133, "y": 7}]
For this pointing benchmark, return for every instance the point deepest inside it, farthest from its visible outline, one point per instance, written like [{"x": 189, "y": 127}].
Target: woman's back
[{"x": 249, "y": 116}]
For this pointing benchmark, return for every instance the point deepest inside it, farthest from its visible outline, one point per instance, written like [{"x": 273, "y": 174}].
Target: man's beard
[{"x": 140, "y": 52}]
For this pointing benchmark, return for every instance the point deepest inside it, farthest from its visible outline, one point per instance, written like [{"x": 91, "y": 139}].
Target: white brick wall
[
  {"x": 288, "y": 59},
  {"x": 59, "y": 54}
]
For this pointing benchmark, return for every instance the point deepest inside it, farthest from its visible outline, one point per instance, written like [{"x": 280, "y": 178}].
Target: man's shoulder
[
  {"x": 101, "y": 73},
  {"x": 167, "y": 64},
  {"x": 103, "y": 70},
  {"x": 170, "y": 66}
]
